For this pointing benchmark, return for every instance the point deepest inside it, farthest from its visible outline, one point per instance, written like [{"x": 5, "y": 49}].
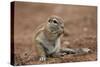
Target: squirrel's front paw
[{"x": 42, "y": 58}]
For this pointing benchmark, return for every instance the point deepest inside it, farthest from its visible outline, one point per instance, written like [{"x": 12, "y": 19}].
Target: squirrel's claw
[{"x": 42, "y": 58}]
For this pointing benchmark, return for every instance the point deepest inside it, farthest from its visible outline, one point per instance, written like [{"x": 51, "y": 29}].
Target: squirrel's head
[{"x": 55, "y": 24}]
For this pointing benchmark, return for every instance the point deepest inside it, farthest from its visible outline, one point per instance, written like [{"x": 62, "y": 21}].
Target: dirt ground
[{"x": 80, "y": 24}]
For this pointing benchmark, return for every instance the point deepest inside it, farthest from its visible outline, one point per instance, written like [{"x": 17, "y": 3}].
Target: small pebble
[
  {"x": 67, "y": 43},
  {"x": 85, "y": 29}
]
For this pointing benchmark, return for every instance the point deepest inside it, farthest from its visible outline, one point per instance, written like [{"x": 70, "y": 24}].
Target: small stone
[
  {"x": 67, "y": 42},
  {"x": 85, "y": 29}
]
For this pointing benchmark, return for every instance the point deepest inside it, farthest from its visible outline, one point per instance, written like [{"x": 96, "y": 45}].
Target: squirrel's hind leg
[{"x": 75, "y": 50}]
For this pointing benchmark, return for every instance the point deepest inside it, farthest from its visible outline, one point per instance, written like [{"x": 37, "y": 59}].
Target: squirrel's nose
[{"x": 62, "y": 27}]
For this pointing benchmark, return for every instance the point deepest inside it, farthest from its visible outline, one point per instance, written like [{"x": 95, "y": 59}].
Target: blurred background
[{"x": 80, "y": 28}]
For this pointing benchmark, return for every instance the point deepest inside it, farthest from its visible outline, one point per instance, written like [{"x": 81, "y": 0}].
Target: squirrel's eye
[{"x": 55, "y": 21}]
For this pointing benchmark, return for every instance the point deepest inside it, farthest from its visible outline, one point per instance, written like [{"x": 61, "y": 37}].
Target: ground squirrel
[{"x": 48, "y": 39}]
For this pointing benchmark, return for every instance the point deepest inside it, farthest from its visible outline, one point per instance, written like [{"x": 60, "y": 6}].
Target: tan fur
[{"x": 47, "y": 39}]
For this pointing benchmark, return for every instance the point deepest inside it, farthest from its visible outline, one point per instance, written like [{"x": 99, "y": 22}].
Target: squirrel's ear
[{"x": 49, "y": 20}]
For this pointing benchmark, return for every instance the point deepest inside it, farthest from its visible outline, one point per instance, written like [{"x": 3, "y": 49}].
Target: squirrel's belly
[{"x": 49, "y": 45}]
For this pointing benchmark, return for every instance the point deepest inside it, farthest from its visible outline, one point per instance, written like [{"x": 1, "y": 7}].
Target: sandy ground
[{"x": 80, "y": 25}]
